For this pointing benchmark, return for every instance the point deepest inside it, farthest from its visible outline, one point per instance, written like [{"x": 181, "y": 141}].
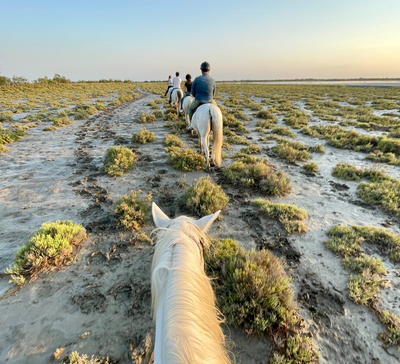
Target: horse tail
[{"x": 217, "y": 128}]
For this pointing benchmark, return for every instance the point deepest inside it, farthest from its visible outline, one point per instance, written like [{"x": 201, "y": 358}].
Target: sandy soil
[{"x": 106, "y": 289}]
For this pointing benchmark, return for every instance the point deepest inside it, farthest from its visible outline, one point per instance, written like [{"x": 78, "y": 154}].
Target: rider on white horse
[
  {"x": 188, "y": 89},
  {"x": 177, "y": 84},
  {"x": 203, "y": 90}
]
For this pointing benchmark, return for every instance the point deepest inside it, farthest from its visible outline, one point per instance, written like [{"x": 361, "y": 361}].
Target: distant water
[{"x": 377, "y": 83}]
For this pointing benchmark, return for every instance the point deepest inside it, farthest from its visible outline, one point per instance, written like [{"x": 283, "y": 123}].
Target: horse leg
[{"x": 205, "y": 142}]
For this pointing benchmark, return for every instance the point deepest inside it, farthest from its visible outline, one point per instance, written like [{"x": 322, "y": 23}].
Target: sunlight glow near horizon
[{"x": 134, "y": 40}]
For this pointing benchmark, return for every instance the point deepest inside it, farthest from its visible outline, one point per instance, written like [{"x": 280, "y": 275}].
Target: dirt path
[{"x": 106, "y": 290}]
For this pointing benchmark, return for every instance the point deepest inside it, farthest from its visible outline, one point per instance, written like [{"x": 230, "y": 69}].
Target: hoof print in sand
[{"x": 91, "y": 302}]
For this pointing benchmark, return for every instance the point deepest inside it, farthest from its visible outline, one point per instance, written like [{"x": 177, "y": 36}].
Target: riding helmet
[{"x": 205, "y": 66}]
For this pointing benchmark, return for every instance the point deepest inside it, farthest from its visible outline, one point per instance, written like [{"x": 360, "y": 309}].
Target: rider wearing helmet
[{"x": 203, "y": 90}]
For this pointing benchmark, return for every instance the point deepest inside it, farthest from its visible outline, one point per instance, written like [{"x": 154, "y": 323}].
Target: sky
[{"x": 149, "y": 40}]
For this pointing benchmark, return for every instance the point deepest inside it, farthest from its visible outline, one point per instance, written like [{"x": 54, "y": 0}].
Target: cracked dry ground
[{"x": 106, "y": 289}]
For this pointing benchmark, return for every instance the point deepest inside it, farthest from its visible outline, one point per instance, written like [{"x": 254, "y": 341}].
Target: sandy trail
[{"x": 106, "y": 291}]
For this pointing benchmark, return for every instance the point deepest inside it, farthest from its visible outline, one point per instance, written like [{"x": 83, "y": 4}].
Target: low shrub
[
  {"x": 311, "y": 167},
  {"x": 185, "y": 159},
  {"x": 384, "y": 193},
  {"x": 380, "y": 157},
  {"x": 144, "y": 136},
  {"x": 178, "y": 127},
  {"x": 50, "y": 245},
  {"x": 280, "y": 130},
  {"x": 291, "y": 154},
  {"x": 76, "y": 358},
  {"x": 146, "y": 118},
  {"x": 204, "y": 197},
  {"x": 172, "y": 141},
  {"x": 392, "y": 323},
  {"x": 50, "y": 127},
  {"x": 119, "y": 160},
  {"x": 387, "y": 145},
  {"x": 250, "y": 171},
  {"x": 133, "y": 211},
  {"x": 251, "y": 149},
  {"x": 297, "y": 119},
  {"x": 62, "y": 121},
  {"x": 6, "y": 116},
  {"x": 266, "y": 115},
  {"x": 290, "y": 216},
  {"x": 11, "y": 135},
  {"x": 349, "y": 171},
  {"x": 153, "y": 105},
  {"x": 170, "y": 116},
  {"x": 158, "y": 114}
]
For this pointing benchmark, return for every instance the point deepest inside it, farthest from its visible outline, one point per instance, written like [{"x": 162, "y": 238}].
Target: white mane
[{"x": 187, "y": 325}]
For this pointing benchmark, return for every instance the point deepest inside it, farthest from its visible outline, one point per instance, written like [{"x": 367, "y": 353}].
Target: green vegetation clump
[
  {"x": 50, "y": 127},
  {"x": 133, "y": 211},
  {"x": 144, "y": 136},
  {"x": 76, "y": 358},
  {"x": 253, "y": 148},
  {"x": 153, "y": 105},
  {"x": 118, "y": 161},
  {"x": 233, "y": 138},
  {"x": 185, "y": 159},
  {"x": 350, "y": 172},
  {"x": 299, "y": 350},
  {"x": 158, "y": 114},
  {"x": 62, "y": 121},
  {"x": 172, "y": 141},
  {"x": 11, "y": 135},
  {"x": 347, "y": 241},
  {"x": 281, "y": 130},
  {"x": 6, "y": 116},
  {"x": 369, "y": 273},
  {"x": 392, "y": 323},
  {"x": 291, "y": 154},
  {"x": 250, "y": 171},
  {"x": 50, "y": 245},
  {"x": 266, "y": 115},
  {"x": 380, "y": 157},
  {"x": 385, "y": 193},
  {"x": 82, "y": 112},
  {"x": 178, "y": 127},
  {"x": 311, "y": 167},
  {"x": 146, "y": 118},
  {"x": 252, "y": 288},
  {"x": 341, "y": 138},
  {"x": 3, "y": 149},
  {"x": 388, "y": 145},
  {"x": 290, "y": 216},
  {"x": 297, "y": 119},
  {"x": 204, "y": 197}
]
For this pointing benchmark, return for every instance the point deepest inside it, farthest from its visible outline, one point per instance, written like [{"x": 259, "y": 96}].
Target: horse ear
[
  {"x": 160, "y": 219},
  {"x": 205, "y": 222}
]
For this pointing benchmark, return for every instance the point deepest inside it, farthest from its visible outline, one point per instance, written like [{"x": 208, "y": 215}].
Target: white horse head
[
  {"x": 187, "y": 325},
  {"x": 207, "y": 119},
  {"x": 176, "y": 98}
]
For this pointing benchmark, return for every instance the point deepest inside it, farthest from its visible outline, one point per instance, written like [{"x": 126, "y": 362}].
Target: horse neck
[{"x": 187, "y": 326}]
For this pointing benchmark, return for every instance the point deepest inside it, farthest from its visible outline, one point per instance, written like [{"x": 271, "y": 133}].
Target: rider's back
[{"x": 203, "y": 88}]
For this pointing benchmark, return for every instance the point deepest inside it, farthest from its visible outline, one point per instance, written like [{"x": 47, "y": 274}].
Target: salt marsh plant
[
  {"x": 153, "y": 105},
  {"x": 185, "y": 159},
  {"x": 368, "y": 273},
  {"x": 379, "y": 157},
  {"x": 253, "y": 292},
  {"x": 204, "y": 197},
  {"x": 119, "y": 160},
  {"x": 280, "y": 130},
  {"x": 297, "y": 119},
  {"x": 76, "y": 358},
  {"x": 291, "y": 154},
  {"x": 350, "y": 171},
  {"x": 267, "y": 115},
  {"x": 290, "y": 216},
  {"x": 253, "y": 172},
  {"x": 133, "y": 211},
  {"x": 6, "y": 116},
  {"x": 50, "y": 246},
  {"x": 158, "y": 114},
  {"x": 146, "y": 118},
  {"x": 311, "y": 167},
  {"x": 144, "y": 136},
  {"x": 172, "y": 140}
]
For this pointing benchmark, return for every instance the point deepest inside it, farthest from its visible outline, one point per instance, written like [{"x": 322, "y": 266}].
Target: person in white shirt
[
  {"x": 170, "y": 84},
  {"x": 177, "y": 84}
]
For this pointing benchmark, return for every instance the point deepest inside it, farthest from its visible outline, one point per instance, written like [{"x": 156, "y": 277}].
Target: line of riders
[{"x": 202, "y": 89}]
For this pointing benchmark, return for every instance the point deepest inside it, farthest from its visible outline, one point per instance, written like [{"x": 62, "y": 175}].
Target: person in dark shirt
[
  {"x": 203, "y": 90},
  {"x": 188, "y": 89}
]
